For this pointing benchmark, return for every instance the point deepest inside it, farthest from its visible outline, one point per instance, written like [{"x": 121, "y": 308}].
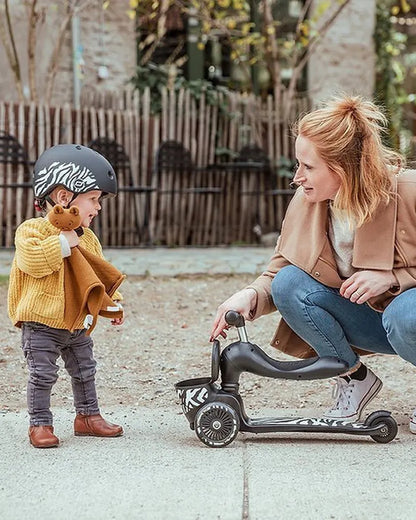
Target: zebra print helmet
[{"x": 75, "y": 167}]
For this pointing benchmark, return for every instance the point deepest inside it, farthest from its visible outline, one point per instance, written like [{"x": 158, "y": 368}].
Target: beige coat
[{"x": 388, "y": 243}]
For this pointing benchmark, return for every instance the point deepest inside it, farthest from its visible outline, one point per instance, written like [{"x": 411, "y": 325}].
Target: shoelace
[{"x": 340, "y": 393}]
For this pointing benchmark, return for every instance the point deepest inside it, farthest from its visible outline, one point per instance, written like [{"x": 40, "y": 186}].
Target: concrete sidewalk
[
  {"x": 176, "y": 261},
  {"x": 160, "y": 470}
]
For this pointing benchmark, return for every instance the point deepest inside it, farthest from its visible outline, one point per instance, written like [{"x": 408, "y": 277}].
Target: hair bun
[{"x": 349, "y": 105}]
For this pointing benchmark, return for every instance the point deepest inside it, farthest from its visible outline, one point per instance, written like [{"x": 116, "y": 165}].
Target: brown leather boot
[
  {"x": 43, "y": 437},
  {"x": 95, "y": 426}
]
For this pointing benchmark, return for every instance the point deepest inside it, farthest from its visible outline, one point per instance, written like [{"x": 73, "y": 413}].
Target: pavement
[
  {"x": 164, "y": 261},
  {"x": 160, "y": 470}
]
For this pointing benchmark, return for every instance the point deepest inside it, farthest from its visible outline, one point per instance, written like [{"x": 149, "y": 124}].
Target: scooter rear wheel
[{"x": 217, "y": 424}]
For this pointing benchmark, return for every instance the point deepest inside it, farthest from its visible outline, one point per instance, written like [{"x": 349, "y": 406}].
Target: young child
[{"x": 67, "y": 175}]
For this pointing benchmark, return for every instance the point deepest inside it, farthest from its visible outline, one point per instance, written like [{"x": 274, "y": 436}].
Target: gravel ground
[{"x": 165, "y": 339}]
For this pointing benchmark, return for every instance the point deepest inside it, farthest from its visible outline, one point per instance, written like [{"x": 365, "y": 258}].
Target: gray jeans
[{"x": 42, "y": 345}]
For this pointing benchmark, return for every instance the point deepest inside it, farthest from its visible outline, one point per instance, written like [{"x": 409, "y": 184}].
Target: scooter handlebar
[{"x": 234, "y": 319}]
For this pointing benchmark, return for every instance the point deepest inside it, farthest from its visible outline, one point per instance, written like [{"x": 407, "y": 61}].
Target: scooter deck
[{"x": 306, "y": 424}]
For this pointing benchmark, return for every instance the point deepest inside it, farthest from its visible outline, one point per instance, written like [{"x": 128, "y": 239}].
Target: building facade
[{"x": 99, "y": 51}]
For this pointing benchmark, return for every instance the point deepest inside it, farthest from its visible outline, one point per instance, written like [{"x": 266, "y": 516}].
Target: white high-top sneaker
[{"x": 351, "y": 397}]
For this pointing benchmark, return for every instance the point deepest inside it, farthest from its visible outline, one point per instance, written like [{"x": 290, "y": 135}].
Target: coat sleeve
[
  {"x": 262, "y": 285},
  {"x": 405, "y": 239},
  {"x": 406, "y": 279}
]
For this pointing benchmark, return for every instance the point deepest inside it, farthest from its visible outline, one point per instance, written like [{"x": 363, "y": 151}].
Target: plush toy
[
  {"x": 89, "y": 280},
  {"x": 65, "y": 219}
]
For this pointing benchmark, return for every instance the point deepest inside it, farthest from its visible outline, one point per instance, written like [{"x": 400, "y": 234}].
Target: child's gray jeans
[{"x": 42, "y": 345}]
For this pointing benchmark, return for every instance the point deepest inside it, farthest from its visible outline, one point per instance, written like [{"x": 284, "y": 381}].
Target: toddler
[{"x": 67, "y": 175}]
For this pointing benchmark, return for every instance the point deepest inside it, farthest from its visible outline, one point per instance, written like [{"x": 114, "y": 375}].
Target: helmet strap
[
  {"x": 74, "y": 196},
  {"x": 51, "y": 202}
]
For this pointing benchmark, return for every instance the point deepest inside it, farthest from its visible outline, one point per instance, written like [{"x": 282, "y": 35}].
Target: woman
[{"x": 343, "y": 275}]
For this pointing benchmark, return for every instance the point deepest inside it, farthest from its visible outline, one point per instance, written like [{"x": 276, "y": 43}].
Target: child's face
[{"x": 88, "y": 205}]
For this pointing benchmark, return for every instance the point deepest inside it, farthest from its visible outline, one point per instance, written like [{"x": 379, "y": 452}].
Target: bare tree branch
[
  {"x": 14, "y": 62},
  {"x": 72, "y": 9},
  {"x": 3, "y": 38}
]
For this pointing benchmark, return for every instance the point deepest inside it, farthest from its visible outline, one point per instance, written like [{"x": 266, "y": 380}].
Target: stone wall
[
  {"x": 344, "y": 61},
  {"x": 107, "y": 39}
]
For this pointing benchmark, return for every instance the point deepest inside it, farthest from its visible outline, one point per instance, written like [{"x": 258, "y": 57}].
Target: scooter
[{"x": 216, "y": 413}]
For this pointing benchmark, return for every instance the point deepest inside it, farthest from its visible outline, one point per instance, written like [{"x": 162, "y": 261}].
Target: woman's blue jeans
[{"x": 331, "y": 324}]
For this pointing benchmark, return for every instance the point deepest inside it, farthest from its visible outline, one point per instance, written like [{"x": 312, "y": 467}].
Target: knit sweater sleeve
[{"x": 38, "y": 249}]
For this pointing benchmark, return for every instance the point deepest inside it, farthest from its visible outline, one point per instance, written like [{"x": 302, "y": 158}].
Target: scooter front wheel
[
  {"x": 217, "y": 424},
  {"x": 389, "y": 430}
]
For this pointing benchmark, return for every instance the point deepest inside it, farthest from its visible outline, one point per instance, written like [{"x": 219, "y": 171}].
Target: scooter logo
[{"x": 192, "y": 398}]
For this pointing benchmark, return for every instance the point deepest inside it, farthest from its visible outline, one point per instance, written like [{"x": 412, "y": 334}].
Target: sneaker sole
[{"x": 412, "y": 426}]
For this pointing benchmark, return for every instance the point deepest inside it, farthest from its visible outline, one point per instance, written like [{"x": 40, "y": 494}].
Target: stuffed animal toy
[
  {"x": 65, "y": 219},
  {"x": 89, "y": 280}
]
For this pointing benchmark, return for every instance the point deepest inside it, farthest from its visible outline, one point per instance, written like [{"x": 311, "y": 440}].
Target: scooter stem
[{"x": 235, "y": 319}]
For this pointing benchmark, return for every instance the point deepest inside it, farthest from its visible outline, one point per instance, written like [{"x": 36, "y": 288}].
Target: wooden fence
[{"x": 143, "y": 213}]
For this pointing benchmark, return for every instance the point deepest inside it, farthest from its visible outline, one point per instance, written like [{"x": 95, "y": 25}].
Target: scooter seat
[{"x": 247, "y": 357}]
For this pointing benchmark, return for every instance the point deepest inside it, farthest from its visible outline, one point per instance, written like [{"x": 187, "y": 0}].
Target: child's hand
[
  {"x": 72, "y": 237},
  {"x": 117, "y": 321}
]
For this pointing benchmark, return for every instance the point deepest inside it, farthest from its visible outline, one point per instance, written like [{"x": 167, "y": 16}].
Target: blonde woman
[{"x": 343, "y": 275}]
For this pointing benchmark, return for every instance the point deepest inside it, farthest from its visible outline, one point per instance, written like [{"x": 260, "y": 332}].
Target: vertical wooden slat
[
  {"x": 3, "y": 180},
  {"x": 10, "y": 193},
  {"x": 66, "y": 135},
  {"x": 105, "y": 217},
  {"x": 23, "y": 195},
  {"x": 180, "y": 115},
  {"x": 123, "y": 214},
  {"x": 56, "y": 139},
  {"x": 40, "y": 131}
]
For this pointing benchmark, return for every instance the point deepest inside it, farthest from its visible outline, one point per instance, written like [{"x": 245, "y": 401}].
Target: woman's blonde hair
[{"x": 347, "y": 135}]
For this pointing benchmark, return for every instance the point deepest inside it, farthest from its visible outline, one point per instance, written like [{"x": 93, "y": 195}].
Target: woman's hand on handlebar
[{"x": 243, "y": 302}]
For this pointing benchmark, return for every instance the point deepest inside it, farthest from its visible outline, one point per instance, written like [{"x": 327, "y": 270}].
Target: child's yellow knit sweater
[{"x": 36, "y": 288}]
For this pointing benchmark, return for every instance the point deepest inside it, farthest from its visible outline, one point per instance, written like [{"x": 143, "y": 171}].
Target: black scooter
[{"x": 216, "y": 413}]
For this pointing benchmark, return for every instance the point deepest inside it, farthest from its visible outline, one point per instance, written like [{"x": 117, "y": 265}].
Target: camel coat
[{"x": 387, "y": 242}]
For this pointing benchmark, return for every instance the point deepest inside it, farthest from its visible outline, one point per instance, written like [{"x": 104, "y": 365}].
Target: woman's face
[{"x": 319, "y": 183}]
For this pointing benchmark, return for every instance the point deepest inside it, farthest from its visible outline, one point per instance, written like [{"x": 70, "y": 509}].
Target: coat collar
[{"x": 373, "y": 242}]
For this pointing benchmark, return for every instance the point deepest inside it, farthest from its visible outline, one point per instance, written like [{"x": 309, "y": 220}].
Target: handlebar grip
[{"x": 235, "y": 319}]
